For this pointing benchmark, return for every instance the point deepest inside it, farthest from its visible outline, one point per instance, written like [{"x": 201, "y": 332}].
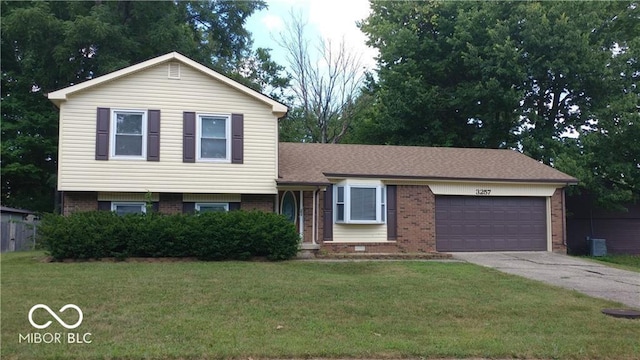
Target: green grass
[
  {"x": 627, "y": 262},
  {"x": 211, "y": 310}
]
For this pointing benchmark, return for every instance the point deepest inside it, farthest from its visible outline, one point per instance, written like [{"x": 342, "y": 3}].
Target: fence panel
[{"x": 17, "y": 236}]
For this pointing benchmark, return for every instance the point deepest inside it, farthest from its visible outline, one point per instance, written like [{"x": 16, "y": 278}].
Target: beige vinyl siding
[
  {"x": 360, "y": 233},
  {"x": 152, "y": 89}
]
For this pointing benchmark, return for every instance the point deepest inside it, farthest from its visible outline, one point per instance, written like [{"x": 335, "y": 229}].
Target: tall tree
[
  {"x": 325, "y": 82},
  {"x": 509, "y": 74},
  {"x": 445, "y": 74},
  {"x": 46, "y": 46},
  {"x": 606, "y": 155}
]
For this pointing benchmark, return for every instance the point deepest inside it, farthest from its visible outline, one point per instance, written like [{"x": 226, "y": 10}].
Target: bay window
[{"x": 360, "y": 204}]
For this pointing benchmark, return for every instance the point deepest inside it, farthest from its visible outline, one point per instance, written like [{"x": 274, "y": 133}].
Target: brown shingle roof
[{"x": 314, "y": 163}]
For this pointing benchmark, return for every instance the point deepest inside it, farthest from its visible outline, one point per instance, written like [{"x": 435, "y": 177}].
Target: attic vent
[{"x": 174, "y": 70}]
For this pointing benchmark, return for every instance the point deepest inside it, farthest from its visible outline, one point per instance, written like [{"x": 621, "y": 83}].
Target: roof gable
[
  {"x": 61, "y": 95},
  {"x": 316, "y": 163}
]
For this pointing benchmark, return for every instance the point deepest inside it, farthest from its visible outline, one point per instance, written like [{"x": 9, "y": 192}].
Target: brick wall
[
  {"x": 264, "y": 203},
  {"x": 416, "y": 218},
  {"x": 558, "y": 219},
  {"x": 73, "y": 201},
  {"x": 170, "y": 203}
]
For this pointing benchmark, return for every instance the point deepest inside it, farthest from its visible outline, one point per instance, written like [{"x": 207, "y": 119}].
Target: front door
[{"x": 289, "y": 207}]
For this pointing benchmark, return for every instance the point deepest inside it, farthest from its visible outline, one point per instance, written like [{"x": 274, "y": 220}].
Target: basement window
[{"x": 124, "y": 208}]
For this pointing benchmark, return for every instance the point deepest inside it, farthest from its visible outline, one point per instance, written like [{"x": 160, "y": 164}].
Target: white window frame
[
  {"x": 115, "y": 204},
  {"x": 199, "y": 157},
  {"x": 380, "y": 204},
  {"x": 199, "y": 204},
  {"x": 112, "y": 137}
]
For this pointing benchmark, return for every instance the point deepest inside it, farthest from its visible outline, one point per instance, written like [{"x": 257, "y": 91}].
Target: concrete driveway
[{"x": 585, "y": 276}]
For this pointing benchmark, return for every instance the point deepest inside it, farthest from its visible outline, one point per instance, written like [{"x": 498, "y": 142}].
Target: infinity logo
[{"x": 48, "y": 309}]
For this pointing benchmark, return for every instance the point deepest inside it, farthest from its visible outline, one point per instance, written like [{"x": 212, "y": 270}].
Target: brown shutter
[
  {"x": 153, "y": 135},
  {"x": 234, "y": 206},
  {"x": 237, "y": 138},
  {"x": 102, "y": 133},
  {"x": 104, "y": 205},
  {"x": 392, "y": 212},
  {"x": 328, "y": 214},
  {"x": 188, "y": 207},
  {"x": 189, "y": 137}
]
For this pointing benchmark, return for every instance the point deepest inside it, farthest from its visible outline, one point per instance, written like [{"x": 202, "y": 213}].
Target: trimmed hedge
[{"x": 234, "y": 235}]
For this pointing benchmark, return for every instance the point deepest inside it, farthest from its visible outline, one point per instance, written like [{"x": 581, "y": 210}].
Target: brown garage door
[{"x": 468, "y": 223}]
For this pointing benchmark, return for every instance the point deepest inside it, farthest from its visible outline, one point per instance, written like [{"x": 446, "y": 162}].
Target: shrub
[{"x": 236, "y": 235}]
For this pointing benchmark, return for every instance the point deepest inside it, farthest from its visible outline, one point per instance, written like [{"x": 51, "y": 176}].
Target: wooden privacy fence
[{"x": 17, "y": 236}]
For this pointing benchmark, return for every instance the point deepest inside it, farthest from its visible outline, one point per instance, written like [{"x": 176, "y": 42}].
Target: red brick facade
[
  {"x": 79, "y": 201},
  {"x": 170, "y": 203},
  {"x": 416, "y": 224},
  {"x": 258, "y": 202},
  {"x": 558, "y": 222},
  {"x": 416, "y": 231}
]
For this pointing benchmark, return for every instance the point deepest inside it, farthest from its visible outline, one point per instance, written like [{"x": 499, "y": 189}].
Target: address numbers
[{"x": 483, "y": 192}]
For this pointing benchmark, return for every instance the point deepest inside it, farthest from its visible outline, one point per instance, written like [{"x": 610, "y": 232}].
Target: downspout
[
  {"x": 564, "y": 220},
  {"x": 61, "y": 197}
]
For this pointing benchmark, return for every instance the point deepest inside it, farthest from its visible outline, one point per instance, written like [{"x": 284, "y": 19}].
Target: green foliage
[
  {"x": 208, "y": 236},
  {"x": 624, "y": 261},
  {"x": 513, "y": 75},
  {"x": 48, "y": 45}
]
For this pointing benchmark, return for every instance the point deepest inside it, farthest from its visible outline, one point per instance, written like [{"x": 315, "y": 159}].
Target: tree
[
  {"x": 517, "y": 75},
  {"x": 325, "y": 86},
  {"x": 46, "y": 46},
  {"x": 445, "y": 74},
  {"x": 606, "y": 155}
]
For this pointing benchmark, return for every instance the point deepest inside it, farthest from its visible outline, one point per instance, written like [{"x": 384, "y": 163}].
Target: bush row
[{"x": 234, "y": 235}]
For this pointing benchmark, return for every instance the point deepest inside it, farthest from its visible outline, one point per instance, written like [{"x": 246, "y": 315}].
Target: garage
[{"x": 477, "y": 223}]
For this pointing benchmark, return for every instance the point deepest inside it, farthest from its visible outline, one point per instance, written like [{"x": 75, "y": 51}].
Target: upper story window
[
  {"x": 213, "y": 138},
  {"x": 360, "y": 204},
  {"x": 129, "y": 134}
]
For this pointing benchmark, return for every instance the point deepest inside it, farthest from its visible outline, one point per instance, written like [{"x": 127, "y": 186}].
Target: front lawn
[
  {"x": 627, "y": 262},
  {"x": 207, "y": 310}
]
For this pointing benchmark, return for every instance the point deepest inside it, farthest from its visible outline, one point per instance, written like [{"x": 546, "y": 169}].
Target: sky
[{"x": 329, "y": 19}]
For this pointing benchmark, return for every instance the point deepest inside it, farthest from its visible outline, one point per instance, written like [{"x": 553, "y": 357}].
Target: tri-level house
[{"x": 190, "y": 139}]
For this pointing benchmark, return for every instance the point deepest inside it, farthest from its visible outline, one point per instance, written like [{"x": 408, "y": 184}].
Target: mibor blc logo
[
  {"x": 48, "y": 309},
  {"x": 55, "y": 337}
]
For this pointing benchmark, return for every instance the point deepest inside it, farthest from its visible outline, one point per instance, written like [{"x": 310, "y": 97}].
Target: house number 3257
[{"x": 483, "y": 191}]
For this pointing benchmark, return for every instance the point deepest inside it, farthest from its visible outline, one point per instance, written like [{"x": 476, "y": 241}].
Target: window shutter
[
  {"x": 188, "y": 207},
  {"x": 155, "y": 206},
  {"x": 237, "y": 138},
  {"x": 392, "y": 212},
  {"x": 234, "y": 206},
  {"x": 189, "y": 137},
  {"x": 153, "y": 135},
  {"x": 104, "y": 205},
  {"x": 328, "y": 214},
  {"x": 102, "y": 133}
]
